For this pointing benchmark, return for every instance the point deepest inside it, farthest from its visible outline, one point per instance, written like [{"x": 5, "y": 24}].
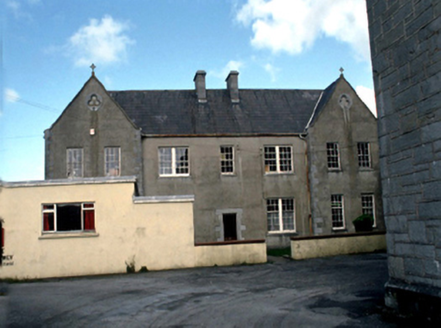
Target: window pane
[
  {"x": 272, "y": 206},
  {"x": 285, "y": 159},
  {"x": 89, "y": 219},
  {"x": 181, "y": 160},
  {"x": 337, "y": 211},
  {"x": 165, "y": 161},
  {"x": 48, "y": 222},
  {"x": 112, "y": 161},
  {"x": 273, "y": 222},
  {"x": 368, "y": 206},
  {"x": 227, "y": 161},
  {"x": 333, "y": 155},
  {"x": 69, "y": 217},
  {"x": 288, "y": 220},
  {"x": 288, "y": 214},
  {"x": 363, "y": 154},
  {"x": 74, "y": 162},
  {"x": 270, "y": 159}
]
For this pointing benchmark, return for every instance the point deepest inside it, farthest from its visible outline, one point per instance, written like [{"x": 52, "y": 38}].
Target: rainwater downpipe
[{"x": 308, "y": 189}]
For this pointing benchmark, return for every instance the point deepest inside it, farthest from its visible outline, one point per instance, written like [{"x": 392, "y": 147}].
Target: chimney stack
[
  {"x": 233, "y": 86},
  {"x": 199, "y": 82}
]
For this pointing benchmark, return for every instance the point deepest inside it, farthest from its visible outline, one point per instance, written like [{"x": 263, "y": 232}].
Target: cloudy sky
[{"x": 48, "y": 45}]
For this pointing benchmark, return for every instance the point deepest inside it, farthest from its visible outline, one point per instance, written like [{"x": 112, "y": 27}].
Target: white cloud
[
  {"x": 232, "y": 65},
  {"x": 17, "y": 11},
  {"x": 368, "y": 97},
  {"x": 293, "y": 26},
  {"x": 272, "y": 71},
  {"x": 101, "y": 42},
  {"x": 108, "y": 82},
  {"x": 11, "y": 95},
  {"x": 19, "y": 8}
]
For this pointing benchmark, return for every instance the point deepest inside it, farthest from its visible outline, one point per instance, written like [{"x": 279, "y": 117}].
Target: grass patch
[{"x": 279, "y": 251}]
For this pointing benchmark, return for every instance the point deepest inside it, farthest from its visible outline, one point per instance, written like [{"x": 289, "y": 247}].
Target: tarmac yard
[{"x": 342, "y": 291}]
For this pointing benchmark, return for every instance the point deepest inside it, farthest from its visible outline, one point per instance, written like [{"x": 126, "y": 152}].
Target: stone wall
[{"x": 406, "y": 58}]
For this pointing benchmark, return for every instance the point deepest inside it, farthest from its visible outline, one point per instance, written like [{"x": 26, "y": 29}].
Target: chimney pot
[
  {"x": 199, "y": 81},
  {"x": 233, "y": 86}
]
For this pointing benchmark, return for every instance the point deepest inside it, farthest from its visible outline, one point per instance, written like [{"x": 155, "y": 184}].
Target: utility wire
[{"x": 35, "y": 104}]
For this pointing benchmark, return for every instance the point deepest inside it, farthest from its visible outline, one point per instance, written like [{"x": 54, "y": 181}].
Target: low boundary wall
[
  {"x": 230, "y": 253},
  {"x": 331, "y": 245}
]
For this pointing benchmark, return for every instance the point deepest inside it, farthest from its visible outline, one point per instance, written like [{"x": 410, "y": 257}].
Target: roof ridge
[{"x": 192, "y": 90}]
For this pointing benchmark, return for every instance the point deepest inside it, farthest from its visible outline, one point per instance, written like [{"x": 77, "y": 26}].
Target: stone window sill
[{"x": 69, "y": 235}]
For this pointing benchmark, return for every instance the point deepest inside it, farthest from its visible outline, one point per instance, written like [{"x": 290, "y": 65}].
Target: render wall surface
[
  {"x": 158, "y": 236},
  {"x": 234, "y": 254},
  {"x": 405, "y": 45},
  {"x": 348, "y": 128},
  {"x": 92, "y": 129},
  {"x": 245, "y": 192},
  {"x": 333, "y": 245}
]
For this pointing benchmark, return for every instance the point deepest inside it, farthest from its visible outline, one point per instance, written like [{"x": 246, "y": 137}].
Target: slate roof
[
  {"x": 177, "y": 112},
  {"x": 323, "y": 100}
]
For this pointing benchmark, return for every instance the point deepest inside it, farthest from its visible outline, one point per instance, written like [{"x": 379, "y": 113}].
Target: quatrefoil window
[
  {"x": 345, "y": 101},
  {"x": 94, "y": 101}
]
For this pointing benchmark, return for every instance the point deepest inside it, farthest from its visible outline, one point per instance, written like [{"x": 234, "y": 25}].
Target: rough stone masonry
[{"x": 406, "y": 56}]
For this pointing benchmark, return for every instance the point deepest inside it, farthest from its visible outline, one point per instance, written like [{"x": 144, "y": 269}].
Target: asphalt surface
[{"x": 342, "y": 291}]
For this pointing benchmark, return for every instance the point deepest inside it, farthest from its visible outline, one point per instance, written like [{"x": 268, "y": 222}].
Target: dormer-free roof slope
[{"x": 178, "y": 112}]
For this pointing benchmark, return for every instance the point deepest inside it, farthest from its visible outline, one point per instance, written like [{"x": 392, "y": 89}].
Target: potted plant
[{"x": 363, "y": 223}]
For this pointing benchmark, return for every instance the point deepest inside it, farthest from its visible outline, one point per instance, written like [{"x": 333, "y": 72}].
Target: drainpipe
[{"x": 308, "y": 188}]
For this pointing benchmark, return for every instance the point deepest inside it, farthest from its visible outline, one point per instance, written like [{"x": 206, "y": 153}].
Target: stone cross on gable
[
  {"x": 341, "y": 70},
  {"x": 93, "y": 68}
]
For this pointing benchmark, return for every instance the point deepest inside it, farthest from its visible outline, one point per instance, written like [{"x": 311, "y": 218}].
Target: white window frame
[
  {"x": 332, "y": 153},
  {"x": 338, "y": 205},
  {"x": 84, "y": 207},
  {"x": 367, "y": 209},
  {"x": 71, "y": 169},
  {"x": 362, "y": 153},
  {"x": 174, "y": 167},
  {"x": 112, "y": 153},
  {"x": 280, "y": 212},
  {"x": 224, "y": 160},
  {"x": 277, "y": 159}
]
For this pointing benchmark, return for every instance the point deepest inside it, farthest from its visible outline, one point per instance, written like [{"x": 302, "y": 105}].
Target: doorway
[{"x": 230, "y": 226}]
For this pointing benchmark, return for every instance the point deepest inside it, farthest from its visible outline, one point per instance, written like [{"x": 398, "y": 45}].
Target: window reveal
[
  {"x": 68, "y": 217},
  {"x": 112, "y": 161},
  {"x": 280, "y": 214},
  {"x": 173, "y": 161},
  {"x": 278, "y": 159},
  {"x": 227, "y": 159},
  {"x": 333, "y": 155},
  {"x": 74, "y": 162},
  {"x": 337, "y": 212}
]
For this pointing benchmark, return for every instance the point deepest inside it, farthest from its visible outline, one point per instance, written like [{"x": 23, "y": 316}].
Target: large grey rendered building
[{"x": 262, "y": 164}]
